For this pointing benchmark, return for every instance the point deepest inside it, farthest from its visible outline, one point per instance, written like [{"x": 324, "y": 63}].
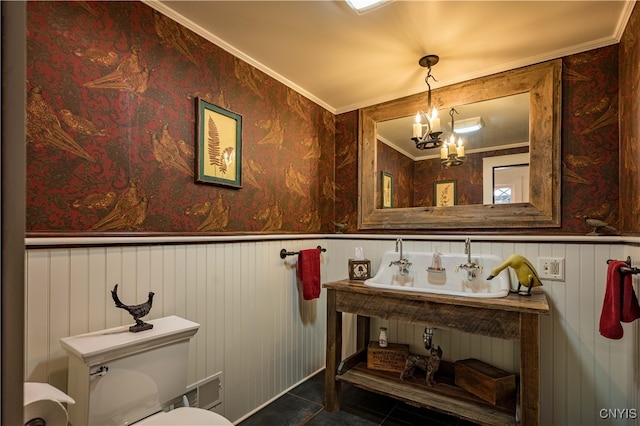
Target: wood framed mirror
[{"x": 544, "y": 85}]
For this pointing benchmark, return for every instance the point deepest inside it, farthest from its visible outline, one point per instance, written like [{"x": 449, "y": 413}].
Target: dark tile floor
[{"x": 303, "y": 405}]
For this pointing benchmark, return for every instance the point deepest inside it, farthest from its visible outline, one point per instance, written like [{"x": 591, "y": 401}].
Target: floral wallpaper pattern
[
  {"x": 346, "y": 173},
  {"x": 401, "y": 168},
  {"x": 112, "y": 89},
  {"x": 590, "y": 138},
  {"x": 630, "y": 123},
  {"x": 111, "y": 111},
  {"x": 413, "y": 184}
]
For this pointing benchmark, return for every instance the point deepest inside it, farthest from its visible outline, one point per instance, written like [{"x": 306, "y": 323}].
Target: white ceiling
[{"x": 344, "y": 61}]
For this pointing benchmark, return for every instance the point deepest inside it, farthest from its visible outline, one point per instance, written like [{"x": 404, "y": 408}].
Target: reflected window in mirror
[
  {"x": 502, "y": 194},
  {"x": 505, "y": 171},
  {"x": 511, "y": 184}
]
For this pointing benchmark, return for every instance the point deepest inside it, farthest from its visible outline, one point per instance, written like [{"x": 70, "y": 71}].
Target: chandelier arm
[
  {"x": 452, "y": 158},
  {"x": 451, "y": 111},
  {"x": 426, "y": 80},
  {"x": 427, "y": 132}
]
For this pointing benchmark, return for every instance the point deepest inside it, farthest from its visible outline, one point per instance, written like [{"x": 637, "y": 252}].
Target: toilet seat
[{"x": 185, "y": 416}]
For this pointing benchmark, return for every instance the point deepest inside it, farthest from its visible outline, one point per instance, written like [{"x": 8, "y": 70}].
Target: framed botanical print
[
  {"x": 444, "y": 193},
  {"x": 219, "y": 146},
  {"x": 387, "y": 190}
]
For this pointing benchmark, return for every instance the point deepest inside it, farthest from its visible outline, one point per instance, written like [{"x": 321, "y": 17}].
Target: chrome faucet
[
  {"x": 472, "y": 268},
  {"x": 402, "y": 263}
]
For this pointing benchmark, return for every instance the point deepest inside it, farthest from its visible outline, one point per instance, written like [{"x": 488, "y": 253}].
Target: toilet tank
[{"x": 118, "y": 377}]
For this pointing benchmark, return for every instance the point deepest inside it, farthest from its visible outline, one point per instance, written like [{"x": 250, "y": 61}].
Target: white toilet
[{"x": 120, "y": 378}]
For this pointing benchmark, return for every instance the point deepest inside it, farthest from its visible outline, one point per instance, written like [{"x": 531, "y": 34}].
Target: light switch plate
[{"x": 551, "y": 268}]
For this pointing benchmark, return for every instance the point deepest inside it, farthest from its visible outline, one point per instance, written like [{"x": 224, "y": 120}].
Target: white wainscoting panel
[
  {"x": 257, "y": 329},
  {"x": 255, "y": 325}
]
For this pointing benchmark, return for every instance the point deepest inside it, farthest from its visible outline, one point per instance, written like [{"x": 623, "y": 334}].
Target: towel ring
[{"x": 284, "y": 253}]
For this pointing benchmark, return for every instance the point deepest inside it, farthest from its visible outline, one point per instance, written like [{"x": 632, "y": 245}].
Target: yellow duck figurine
[{"x": 526, "y": 273}]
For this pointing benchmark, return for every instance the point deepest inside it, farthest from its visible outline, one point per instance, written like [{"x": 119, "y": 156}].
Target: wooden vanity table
[{"x": 513, "y": 318}]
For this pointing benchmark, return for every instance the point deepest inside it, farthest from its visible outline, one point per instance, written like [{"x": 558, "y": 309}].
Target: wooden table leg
[
  {"x": 334, "y": 354},
  {"x": 529, "y": 369},
  {"x": 362, "y": 332}
]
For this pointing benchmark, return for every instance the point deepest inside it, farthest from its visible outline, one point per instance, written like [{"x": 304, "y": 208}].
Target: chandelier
[
  {"x": 426, "y": 129},
  {"x": 452, "y": 154}
]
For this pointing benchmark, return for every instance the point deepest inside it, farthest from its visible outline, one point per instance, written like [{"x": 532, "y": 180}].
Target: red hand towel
[
  {"x": 309, "y": 273},
  {"x": 620, "y": 301}
]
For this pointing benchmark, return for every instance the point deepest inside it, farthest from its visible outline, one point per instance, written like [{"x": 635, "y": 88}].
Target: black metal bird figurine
[
  {"x": 136, "y": 311},
  {"x": 597, "y": 225}
]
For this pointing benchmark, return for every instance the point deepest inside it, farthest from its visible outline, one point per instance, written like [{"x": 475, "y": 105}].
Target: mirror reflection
[
  {"x": 439, "y": 193},
  {"x": 495, "y": 169}
]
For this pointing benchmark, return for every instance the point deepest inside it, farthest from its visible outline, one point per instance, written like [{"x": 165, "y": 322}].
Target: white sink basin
[{"x": 447, "y": 281}]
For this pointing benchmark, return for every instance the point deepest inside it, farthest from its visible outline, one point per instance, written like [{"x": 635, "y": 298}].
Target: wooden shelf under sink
[
  {"x": 511, "y": 318},
  {"x": 444, "y": 396}
]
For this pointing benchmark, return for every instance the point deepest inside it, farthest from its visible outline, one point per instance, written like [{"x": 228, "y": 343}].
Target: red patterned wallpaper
[
  {"x": 589, "y": 142},
  {"x": 413, "y": 184},
  {"x": 630, "y": 124},
  {"x": 401, "y": 168},
  {"x": 590, "y": 139},
  {"x": 111, "y": 130},
  {"x": 346, "y": 176},
  {"x": 468, "y": 177}
]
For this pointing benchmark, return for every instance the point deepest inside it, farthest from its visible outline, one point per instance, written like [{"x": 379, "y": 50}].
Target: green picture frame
[
  {"x": 219, "y": 146},
  {"x": 387, "y": 190}
]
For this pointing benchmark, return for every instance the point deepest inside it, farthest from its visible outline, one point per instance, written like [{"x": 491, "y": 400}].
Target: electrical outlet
[{"x": 551, "y": 268}]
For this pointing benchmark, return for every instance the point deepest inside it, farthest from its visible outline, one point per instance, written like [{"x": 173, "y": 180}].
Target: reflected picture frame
[
  {"x": 387, "y": 190},
  {"x": 219, "y": 145},
  {"x": 444, "y": 193}
]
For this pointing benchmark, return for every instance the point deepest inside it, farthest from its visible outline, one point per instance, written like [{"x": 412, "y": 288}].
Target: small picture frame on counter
[{"x": 359, "y": 270}]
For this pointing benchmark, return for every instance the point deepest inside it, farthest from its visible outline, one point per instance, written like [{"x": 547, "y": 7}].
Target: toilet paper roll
[
  {"x": 42, "y": 405},
  {"x": 45, "y": 412},
  {"x": 34, "y": 391}
]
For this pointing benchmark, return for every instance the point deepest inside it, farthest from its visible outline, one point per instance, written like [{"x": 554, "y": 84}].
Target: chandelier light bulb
[
  {"x": 417, "y": 127},
  {"x": 451, "y": 147},
  {"x": 460, "y": 150},
  {"x": 435, "y": 121}
]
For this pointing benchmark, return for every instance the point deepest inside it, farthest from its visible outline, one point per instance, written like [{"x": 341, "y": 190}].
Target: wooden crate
[
  {"x": 485, "y": 381},
  {"x": 391, "y": 358}
]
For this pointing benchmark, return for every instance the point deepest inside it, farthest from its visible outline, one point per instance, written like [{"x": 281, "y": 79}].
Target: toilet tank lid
[{"x": 99, "y": 346}]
